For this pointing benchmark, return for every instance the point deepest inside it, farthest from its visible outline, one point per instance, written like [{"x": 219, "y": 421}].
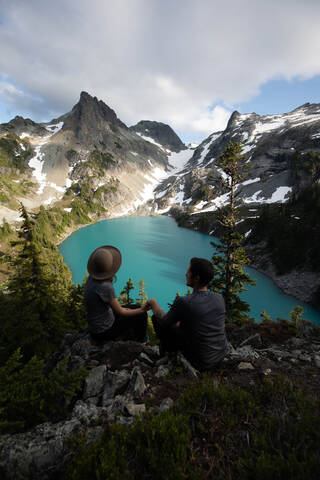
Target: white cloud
[{"x": 148, "y": 59}]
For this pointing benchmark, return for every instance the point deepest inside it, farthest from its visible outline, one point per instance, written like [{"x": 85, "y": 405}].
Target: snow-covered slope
[{"x": 273, "y": 144}]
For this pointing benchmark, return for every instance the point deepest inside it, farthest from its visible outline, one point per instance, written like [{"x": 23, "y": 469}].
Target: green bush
[
  {"x": 28, "y": 397},
  {"x": 269, "y": 431}
]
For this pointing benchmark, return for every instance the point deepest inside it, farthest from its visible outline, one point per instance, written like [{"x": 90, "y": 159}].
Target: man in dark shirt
[{"x": 195, "y": 324}]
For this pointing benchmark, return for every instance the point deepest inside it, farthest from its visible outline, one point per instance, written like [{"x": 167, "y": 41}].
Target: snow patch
[
  {"x": 248, "y": 182},
  {"x": 177, "y": 161},
  {"x": 67, "y": 209},
  {"x": 54, "y": 128}
]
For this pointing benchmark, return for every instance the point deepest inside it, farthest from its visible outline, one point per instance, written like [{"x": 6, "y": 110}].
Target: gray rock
[
  {"x": 135, "y": 409},
  {"x": 144, "y": 358},
  {"x": 85, "y": 412},
  {"x": 163, "y": 371},
  {"x": 38, "y": 454},
  {"x": 166, "y": 404},
  {"x": 115, "y": 384},
  {"x": 296, "y": 342},
  {"x": 278, "y": 354},
  {"x": 117, "y": 406},
  {"x": 162, "y": 361},
  {"x": 94, "y": 382},
  {"x": 244, "y": 352},
  {"x": 188, "y": 368},
  {"x": 137, "y": 384},
  {"x": 305, "y": 358},
  {"x": 245, "y": 366},
  {"x": 316, "y": 359}
]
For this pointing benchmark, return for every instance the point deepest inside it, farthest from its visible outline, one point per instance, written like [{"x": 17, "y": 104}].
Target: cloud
[{"x": 169, "y": 60}]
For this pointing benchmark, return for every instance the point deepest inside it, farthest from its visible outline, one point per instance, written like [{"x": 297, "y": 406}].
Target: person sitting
[
  {"x": 107, "y": 319},
  {"x": 195, "y": 324}
]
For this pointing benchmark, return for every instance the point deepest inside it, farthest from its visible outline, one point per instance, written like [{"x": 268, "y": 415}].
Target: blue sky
[
  {"x": 279, "y": 96},
  {"x": 182, "y": 62}
]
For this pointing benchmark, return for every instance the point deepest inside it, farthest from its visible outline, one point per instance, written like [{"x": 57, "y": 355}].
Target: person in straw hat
[{"x": 107, "y": 319}]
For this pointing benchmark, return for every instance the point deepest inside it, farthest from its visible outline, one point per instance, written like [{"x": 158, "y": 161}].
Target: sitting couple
[{"x": 195, "y": 324}]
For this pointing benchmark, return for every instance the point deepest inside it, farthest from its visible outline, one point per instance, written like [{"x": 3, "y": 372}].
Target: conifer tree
[
  {"x": 38, "y": 293},
  {"x": 142, "y": 293},
  {"x": 125, "y": 298},
  {"x": 230, "y": 278}
]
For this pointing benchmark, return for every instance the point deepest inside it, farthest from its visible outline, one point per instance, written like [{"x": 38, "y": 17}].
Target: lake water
[{"x": 156, "y": 250}]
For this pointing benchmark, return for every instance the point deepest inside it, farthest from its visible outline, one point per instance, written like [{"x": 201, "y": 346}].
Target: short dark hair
[{"x": 203, "y": 268}]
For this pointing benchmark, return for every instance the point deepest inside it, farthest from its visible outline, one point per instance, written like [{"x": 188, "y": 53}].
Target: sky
[{"x": 187, "y": 63}]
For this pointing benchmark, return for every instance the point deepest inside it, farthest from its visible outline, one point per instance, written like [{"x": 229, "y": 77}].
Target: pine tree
[
  {"x": 125, "y": 298},
  {"x": 37, "y": 299},
  {"x": 230, "y": 278},
  {"x": 142, "y": 293}
]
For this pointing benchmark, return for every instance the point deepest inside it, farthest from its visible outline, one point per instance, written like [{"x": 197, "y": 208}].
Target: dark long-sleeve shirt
[{"x": 202, "y": 325}]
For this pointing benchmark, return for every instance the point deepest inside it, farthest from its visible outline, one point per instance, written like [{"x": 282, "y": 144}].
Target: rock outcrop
[{"x": 124, "y": 376}]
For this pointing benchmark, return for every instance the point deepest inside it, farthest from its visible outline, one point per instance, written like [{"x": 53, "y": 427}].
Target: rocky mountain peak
[
  {"x": 20, "y": 125},
  {"x": 160, "y": 133},
  {"x": 90, "y": 118}
]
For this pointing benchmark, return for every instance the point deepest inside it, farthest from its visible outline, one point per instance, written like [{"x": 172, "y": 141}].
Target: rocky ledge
[{"x": 127, "y": 379}]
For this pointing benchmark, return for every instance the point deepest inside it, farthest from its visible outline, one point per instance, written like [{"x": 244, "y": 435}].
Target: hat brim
[{"x": 117, "y": 260}]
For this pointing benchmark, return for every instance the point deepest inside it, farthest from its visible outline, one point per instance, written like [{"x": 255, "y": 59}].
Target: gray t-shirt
[
  {"x": 202, "y": 325},
  {"x": 97, "y": 297}
]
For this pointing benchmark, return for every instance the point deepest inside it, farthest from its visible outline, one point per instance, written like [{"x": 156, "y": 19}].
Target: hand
[
  {"x": 145, "y": 307},
  {"x": 152, "y": 302}
]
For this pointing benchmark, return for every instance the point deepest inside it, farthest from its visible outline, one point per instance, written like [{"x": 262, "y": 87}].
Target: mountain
[
  {"x": 159, "y": 133},
  {"x": 273, "y": 144},
  {"x": 88, "y": 146}
]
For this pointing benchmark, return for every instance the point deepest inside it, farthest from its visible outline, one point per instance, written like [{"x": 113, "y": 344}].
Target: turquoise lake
[{"x": 156, "y": 250}]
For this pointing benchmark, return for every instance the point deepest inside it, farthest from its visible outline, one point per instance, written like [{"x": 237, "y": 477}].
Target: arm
[
  {"x": 155, "y": 307},
  {"x": 128, "y": 312}
]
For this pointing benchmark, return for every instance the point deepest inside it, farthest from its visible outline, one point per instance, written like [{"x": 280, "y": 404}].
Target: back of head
[{"x": 203, "y": 268}]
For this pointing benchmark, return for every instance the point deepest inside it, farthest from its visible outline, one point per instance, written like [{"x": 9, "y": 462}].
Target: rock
[
  {"x": 254, "y": 341},
  {"x": 279, "y": 354},
  {"x": 151, "y": 350},
  {"x": 162, "y": 361},
  {"x": 38, "y": 454},
  {"x": 296, "y": 353},
  {"x": 316, "y": 359},
  {"x": 296, "y": 342},
  {"x": 305, "y": 358},
  {"x": 85, "y": 412},
  {"x": 117, "y": 354},
  {"x": 244, "y": 352},
  {"x": 115, "y": 384},
  {"x": 245, "y": 366},
  {"x": 163, "y": 371},
  {"x": 188, "y": 368},
  {"x": 94, "y": 382},
  {"x": 144, "y": 358},
  {"x": 135, "y": 409},
  {"x": 137, "y": 384},
  {"x": 166, "y": 404},
  {"x": 116, "y": 406}
]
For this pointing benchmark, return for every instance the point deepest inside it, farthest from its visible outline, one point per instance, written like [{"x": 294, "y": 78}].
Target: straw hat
[{"x": 104, "y": 262}]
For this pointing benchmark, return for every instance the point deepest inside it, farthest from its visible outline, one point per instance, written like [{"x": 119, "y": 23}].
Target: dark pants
[
  {"x": 125, "y": 328},
  {"x": 171, "y": 338}
]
